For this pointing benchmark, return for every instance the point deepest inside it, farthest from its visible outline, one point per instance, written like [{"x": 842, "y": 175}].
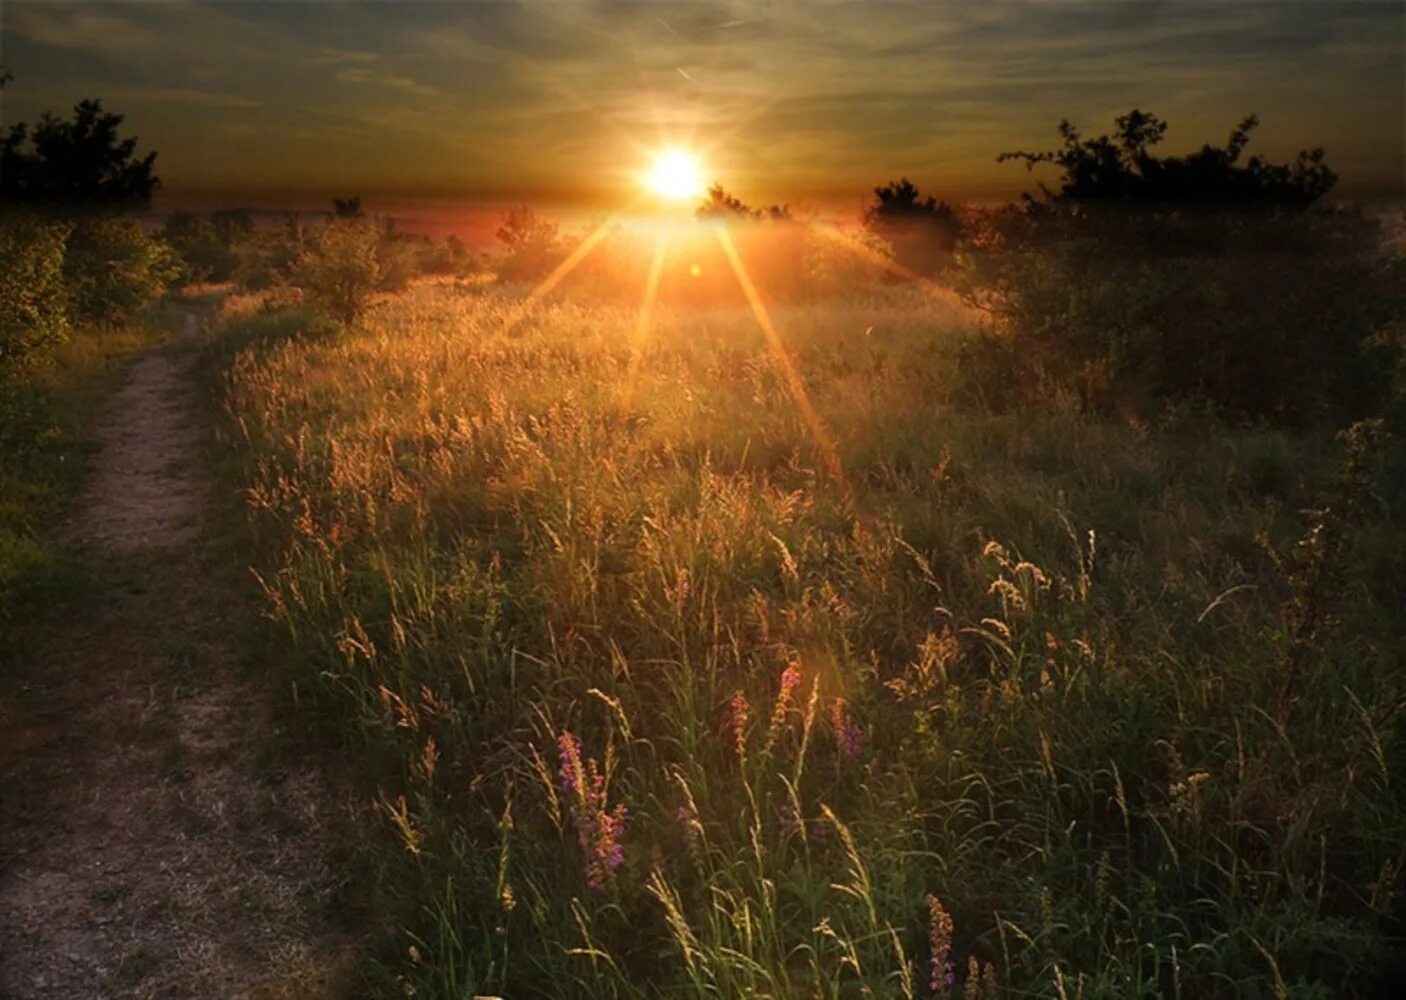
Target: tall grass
[{"x": 650, "y": 702}]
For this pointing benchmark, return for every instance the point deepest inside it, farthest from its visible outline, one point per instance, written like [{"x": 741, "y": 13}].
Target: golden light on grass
[
  {"x": 675, "y": 175},
  {"x": 646, "y": 318},
  {"x": 826, "y": 445}
]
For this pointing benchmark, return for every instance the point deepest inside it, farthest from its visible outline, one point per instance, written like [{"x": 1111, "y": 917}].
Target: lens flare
[{"x": 675, "y": 175}]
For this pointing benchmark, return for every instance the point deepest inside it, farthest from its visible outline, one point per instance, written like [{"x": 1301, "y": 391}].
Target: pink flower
[
  {"x": 600, "y": 831},
  {"x": 737, "y": 723},
  {"x": 940, "y": 939},
  {"x": 849, "y": 738}
]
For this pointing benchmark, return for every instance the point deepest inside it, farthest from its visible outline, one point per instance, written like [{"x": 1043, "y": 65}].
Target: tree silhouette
[
  {"x": 722, "y": 205},
  {"x": 1121, "y": 168},
  {"x": 347, "y": 208},
  {"x": 922, "y": 231},
  {"x": 79, "y": 163}
]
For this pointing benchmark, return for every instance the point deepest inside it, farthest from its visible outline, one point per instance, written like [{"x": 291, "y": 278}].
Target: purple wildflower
[{"x": 849, "y": 738}]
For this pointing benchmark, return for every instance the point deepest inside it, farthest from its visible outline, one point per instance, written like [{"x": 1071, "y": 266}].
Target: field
[{"x": 682, "y": 664}]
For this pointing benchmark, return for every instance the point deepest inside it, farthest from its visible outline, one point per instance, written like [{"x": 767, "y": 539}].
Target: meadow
[{"x": 674, "y": 663}]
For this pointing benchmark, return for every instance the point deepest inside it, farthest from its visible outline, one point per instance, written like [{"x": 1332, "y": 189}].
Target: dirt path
[{"x": 151, "y": 844}]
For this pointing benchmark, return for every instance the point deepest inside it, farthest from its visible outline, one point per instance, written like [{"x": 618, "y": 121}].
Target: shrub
[
  {"x": 208, "y": 246},
  {"x": 923, "y": 232},
  {"x": 114, "y": 269},
  {"x": 33, "y": 309},
  {"x": 268, "y": 258},
  {"x": 1184, "y": 278},
  {"x": 533, "y": 245},
  {"x": 341, "y": 268},
  {"x": 398, "y": 259}
]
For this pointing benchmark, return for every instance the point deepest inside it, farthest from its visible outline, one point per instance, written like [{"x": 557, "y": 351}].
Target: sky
[{"x": 811, "y": 102}]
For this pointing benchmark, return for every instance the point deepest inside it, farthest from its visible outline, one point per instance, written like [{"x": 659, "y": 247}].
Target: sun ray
[
  {"x": 581, "y": 251},
  {"x": 828, "y": 452},
  {"x": 646, "y": 318},
  {"x": 932, "y": 288}
]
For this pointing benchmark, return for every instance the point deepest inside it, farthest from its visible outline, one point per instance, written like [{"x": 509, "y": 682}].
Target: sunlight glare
[{"x": 675, "y": 175}]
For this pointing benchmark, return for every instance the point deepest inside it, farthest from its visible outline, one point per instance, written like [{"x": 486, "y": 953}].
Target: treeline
[
  {"x": 1213, "y": 278},
  {"x": 1216, "y": 277}
]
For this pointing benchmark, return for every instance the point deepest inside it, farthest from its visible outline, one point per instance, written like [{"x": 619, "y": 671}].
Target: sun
[{"x": 675, "y": 175}]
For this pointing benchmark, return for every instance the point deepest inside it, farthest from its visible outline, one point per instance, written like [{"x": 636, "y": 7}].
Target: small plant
[
  {"x": 33, "y": 301},
  {"x": 340, "y": 269}
]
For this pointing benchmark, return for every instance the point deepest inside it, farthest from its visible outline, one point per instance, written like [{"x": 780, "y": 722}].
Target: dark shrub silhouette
[
  {"x": 923, "y": 232},
  {"x": 1200, "y": 277},
  {"x": 347, "y": 208},
  {"x": 1122, "y": 168},
  {"x": 722, "y": 205},
  {"x": 78, "y": 164}
]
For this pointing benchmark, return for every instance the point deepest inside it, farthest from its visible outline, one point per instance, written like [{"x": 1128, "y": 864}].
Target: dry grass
[{"x": 652, "y": 700}]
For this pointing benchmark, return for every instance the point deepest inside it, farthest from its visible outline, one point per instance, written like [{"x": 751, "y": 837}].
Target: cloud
[
  {"x": 378, "y": 78},
  {"x": 76, "y": 28},
  {"x": 178, "y": 95}
]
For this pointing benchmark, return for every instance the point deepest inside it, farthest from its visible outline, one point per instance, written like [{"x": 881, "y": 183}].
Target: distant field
[{"x": 664, "y": 687}]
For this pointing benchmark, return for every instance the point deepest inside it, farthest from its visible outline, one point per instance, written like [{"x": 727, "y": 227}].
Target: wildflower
[
  {"x": 572, "y": 774},
  {"x": 737, "y": 722},
  {"x": 790, "y": 680},
  {"x": 940, "y": 939},
  {"x": 848, "y": 736},
  {"x": 603, "y": 839},
  {"x": 600, "y": 830},
  {"x": 692, "y": 827}
]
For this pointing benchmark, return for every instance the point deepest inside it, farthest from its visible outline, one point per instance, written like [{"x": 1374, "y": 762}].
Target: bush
[
  {"x": 268, "y": 258},
  {"x": 1263, "y": 315},
  {"x": 341, "y": 268},
  {"x": 922, "y": 232},
  {"x": 533, "y": 246},
  {"x": 208, "y": 246},
  {"x": 113, "y": 270},
  {"x": 1146, "y": 279},
  {"x": 33, "y": 308}
]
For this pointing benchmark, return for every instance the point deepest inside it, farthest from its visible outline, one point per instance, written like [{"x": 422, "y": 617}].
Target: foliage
[
  {"x": 341, "y": 268},
  {"x": 722, "y": 205},
  {"x": 1146, "y": 280},
  {"x": 268, "y": 257},
  {"x": 1121, "y": 168},
  {"x": 923, "y": 232},
  {"x": 113, "y": 270},
  {"x": 657, "y": 699},
  {"x": 33, "y": 301},
  {"x": 347, "y": 208},
  {"x": 46, "y": 415},
  {"x": 533, "y": 245},
  {"x": 80, "y": 163}
]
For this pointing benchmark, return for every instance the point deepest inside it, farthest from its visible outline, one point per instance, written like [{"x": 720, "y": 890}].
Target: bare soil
[{"x": 154, "y": 842}]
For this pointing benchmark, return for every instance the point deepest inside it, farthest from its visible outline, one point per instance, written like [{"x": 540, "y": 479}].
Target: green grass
[
  {"x": 1098, "y": 692},
  {"x": 46, "y": 440}
]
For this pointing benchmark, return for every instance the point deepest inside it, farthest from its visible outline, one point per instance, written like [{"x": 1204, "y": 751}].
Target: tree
[
  {"x": 75, "y": 164},
  {"x": 722, "y": 205},
  {"x": 1121, "y": 168},
  {"x": 922, "y": 231},
  {"x": 347, "y": 208}
]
